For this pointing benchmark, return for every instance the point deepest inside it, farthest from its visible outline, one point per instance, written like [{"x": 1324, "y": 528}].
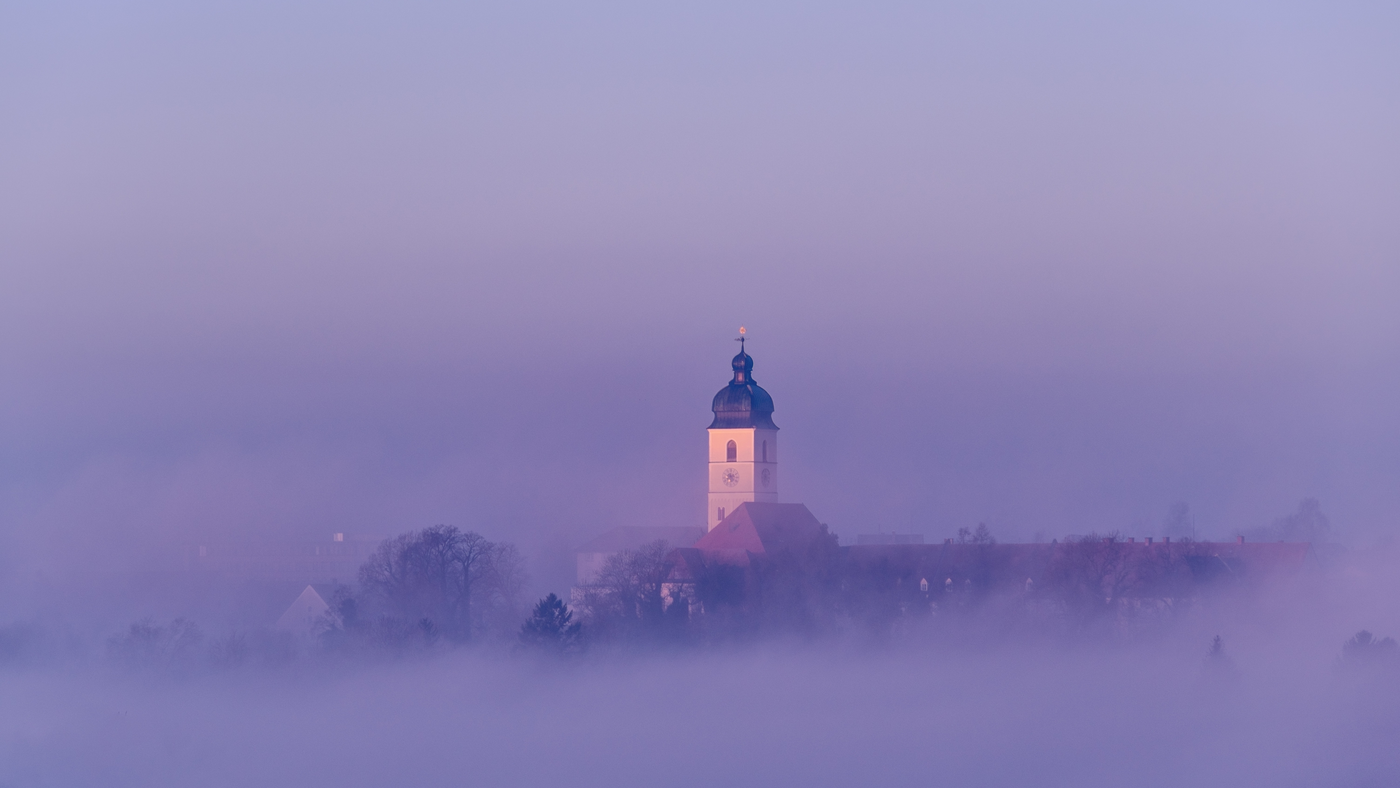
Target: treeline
[
  {"x": 441, "y": 587},
  {"x": 1088, "y": 585},
  {"x": 420, "y": 587},
  {"x": 420, "y": 591}
]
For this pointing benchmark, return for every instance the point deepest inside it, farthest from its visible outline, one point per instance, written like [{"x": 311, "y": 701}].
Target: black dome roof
[{"x": 743, "y": 404}]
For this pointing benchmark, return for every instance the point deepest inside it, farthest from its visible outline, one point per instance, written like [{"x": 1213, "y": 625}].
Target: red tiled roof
[
  {"x": 1262, "y": 557},
  {"x": 762, "y": 528}
]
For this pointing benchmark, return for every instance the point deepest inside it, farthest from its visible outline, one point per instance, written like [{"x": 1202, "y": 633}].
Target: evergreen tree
[{"x": 551, "y": 627}]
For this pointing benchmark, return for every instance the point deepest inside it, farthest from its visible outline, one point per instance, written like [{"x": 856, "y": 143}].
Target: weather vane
[{"x": 740, "y": 338}]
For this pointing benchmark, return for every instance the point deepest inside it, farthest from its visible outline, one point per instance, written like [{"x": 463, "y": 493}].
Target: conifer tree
[{"x": 551, "y": 627}]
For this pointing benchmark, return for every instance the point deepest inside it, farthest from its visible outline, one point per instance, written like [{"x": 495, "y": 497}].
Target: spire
[
  {"x": 742, "y": 404},
  {"x": 743, "y": 363}
]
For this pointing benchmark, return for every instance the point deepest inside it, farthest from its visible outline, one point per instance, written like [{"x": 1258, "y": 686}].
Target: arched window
[
  {"x": 765, "y": 451},
  {"x": 720, "y": 514},
  {"x": 731, "y": 452}
]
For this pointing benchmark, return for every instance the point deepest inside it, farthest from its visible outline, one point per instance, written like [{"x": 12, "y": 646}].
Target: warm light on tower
[{"x": 743, "y": 442}]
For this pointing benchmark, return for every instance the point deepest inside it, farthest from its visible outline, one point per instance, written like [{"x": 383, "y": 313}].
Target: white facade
[
  {"x": 308, "y": 615},
  {"x": 743, "y": 467}
]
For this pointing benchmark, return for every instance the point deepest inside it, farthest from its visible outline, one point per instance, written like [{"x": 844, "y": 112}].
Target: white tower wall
[{"x": 751, "y": 476}]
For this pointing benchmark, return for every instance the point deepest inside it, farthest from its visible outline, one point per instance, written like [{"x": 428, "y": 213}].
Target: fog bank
[{"x": 777, "y": 716}]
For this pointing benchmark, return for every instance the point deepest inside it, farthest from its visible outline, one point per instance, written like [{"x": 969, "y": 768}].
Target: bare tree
[
  {"x": 981, "y": 536},
  {"x": 628, "y": 594},
  {"x": 436, "y": 576},
  {"x": 147, "y": 645},
  {"x": 471, "y": 563},
  {"x": 502, "y": 586},
  {"x": 1091, "y": 574}
]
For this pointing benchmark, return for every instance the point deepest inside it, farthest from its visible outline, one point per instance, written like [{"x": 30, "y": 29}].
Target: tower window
[
  {"x": 720, "y": 514},
  {"x": 765, "y": 451},
  {"x": 731, "y": 452}
]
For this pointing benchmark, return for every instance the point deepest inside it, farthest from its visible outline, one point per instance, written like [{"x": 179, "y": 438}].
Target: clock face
[
  {"x": 730, "y": 477},
  {"x": 766, "y": 476}
]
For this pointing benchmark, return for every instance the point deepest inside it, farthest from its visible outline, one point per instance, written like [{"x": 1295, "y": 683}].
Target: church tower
[{"x": 743, "y": 443}]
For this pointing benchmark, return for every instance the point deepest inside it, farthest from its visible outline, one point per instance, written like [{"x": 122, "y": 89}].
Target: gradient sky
[{"x": 295, "y": 268}]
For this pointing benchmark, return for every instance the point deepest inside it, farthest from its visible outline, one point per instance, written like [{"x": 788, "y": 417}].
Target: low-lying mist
[
  {"x": 279, "y": 278},
  {"x": 1278, "y": 700},
  {"x": 1002, "y": 716}
]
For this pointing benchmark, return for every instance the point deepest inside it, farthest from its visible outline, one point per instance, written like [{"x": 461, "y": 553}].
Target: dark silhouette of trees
[
  {"x": 628, "y": 598},
  {"x": 721, "y": 591},
  {"x": 1090, "y": 574},
  {"x": 1217, "y": 649},
  {"x": 443, "y": 579},
  {"x": 500, "y": 603},
  {"x": 981, "y": 536},
  {"x": 1218, "y": 668},
  {"x": 1366, "y": 652},
  {"x": 230, "y": 651},
  {"x": 146, "y": 645},
  {"x": 801, "y": 587},
  {"x": 551, "y": 628}
]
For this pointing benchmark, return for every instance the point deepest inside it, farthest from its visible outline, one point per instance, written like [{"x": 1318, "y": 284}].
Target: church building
[
  {"x": 746, "y": 528},
  {"x": 743, "y": 444},
  {"x": 743, "y": 485}
]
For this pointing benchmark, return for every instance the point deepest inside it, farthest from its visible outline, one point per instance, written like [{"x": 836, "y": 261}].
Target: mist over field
[
  {"x": 924, "y": 708},
  {"x": 271, "y": 272}
]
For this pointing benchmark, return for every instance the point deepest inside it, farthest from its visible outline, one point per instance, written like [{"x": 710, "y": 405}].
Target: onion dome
[{"x": 743, "y": 404}]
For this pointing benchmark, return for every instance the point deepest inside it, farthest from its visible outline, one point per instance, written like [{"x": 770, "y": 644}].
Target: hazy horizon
[
  {"x": 293, "y": 270},
  {"x": 272, "y": 271}
]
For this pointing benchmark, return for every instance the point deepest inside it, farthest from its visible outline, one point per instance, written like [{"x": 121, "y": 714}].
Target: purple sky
[{"x": 301, "y": 268}]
